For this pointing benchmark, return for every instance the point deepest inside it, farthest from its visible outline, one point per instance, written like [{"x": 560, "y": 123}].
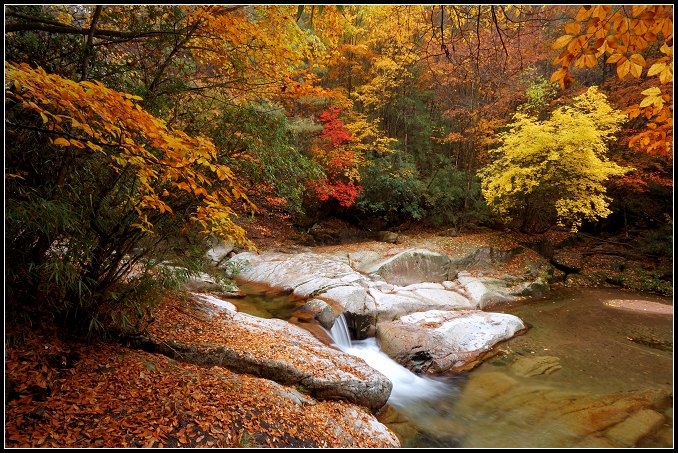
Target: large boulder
[
  {"x": 483, "y": 292},
  {"x": 219, "y": 252},
  {"x": 269, "y": 348},
  {"x": 484, "y": 259},
  {"x": 412, "y": 266},
  {"x": 312, "y": 273},
  {"x": 437, "y": 341},
  {"x": 123, "y": 397},
  {"x": 364, "y": 299}
]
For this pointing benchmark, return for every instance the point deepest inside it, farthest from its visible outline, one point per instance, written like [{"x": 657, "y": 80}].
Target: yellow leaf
[
  {"x": 44, "y": 118},
  {"x": 580, "y": 61},
  {"x": 667, "y": 28},
  {"x": 656, "y": 69},
  {"x": 666, "y": 49},
  {"x": 93, "y": 146},
  {"x": 654, "y": 91},
  {"x": 576, "y": 44},
  {"x": 623, "y": 69},
  {"x": 636, "y": 70},
  {"x": 559, "y": 74},
  {"x": 637, "y": 9},
  {"x": 62, "y": 142},
  {"x": 666, "y": 75},
  {"x": 614, "y": 58},
  {"x": 562, "y": 41},
  {"x": 647, "y": 101}
]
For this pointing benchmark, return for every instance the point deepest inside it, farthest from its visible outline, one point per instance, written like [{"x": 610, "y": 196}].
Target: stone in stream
[
  {"x": 640, "y": 306},
  {"x": 318, "y": 310},
  {"x": 438, "y": 341},
  {"x": 401, "y": 301},
  {"x": 362, "y": 298}
]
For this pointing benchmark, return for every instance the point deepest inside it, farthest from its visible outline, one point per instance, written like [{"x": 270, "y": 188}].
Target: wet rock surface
[{"x": 549, "y": 417}]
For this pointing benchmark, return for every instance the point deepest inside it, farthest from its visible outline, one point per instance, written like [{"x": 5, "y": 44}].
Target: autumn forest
[{"x": 132, "y": 132}]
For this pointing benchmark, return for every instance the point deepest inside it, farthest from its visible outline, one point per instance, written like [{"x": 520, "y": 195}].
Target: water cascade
[{"x": 407, "y": 386}]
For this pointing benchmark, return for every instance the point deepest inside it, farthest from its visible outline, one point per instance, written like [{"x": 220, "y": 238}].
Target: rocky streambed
[
  {"x": 411, "y": 301},
  {"x": 434, "y": 317}
]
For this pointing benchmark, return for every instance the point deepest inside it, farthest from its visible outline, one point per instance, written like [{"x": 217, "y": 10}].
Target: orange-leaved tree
[
  {"x": 93, "y": 183},
  {"x": 636, "y": 39}
]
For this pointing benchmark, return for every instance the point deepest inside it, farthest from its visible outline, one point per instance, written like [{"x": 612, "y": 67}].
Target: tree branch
[{"x": 88, "y": 46}]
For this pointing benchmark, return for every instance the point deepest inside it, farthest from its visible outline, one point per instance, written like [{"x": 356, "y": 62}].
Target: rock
[
  {"x": 203, "y": 282},
  {"x": 219, "y": 253},
  {"x": 413, "y": 266},
  {"x": 277, "y": 350},
  {"x": 484, "y": 293},
  {"x": 392, "y": 305},
  {"x": 637, "y": 426},
  {"x": 368, "y": 426},
  {"x": 436, "y": 341},
  {"x": 362, "y": 299},
  {"x": 534, "y": 366},
  {"x": 640, "y": 306},
  {"x": 387, "y": 236},
  {"x": 286, "y": 272},
  {"x": 484, "y": 259},
  {"x": 537, "y": 288},
  {"x": 358, "y": 308},
  {"x": 319, "y": 311},
  {"x": 222, "y": 304},
  {"x": 364, "y": 261},
  {"x": 665, "y": 436}
]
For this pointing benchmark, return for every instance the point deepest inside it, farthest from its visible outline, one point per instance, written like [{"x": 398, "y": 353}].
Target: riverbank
[{"x": 63, "y": 394}]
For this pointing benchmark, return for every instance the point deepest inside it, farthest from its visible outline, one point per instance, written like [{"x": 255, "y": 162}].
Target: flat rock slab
[
  {"x": 534, "y": 366},
  {"x": 269, "y": 348},
  {"x": 640, "y": 306},
  {"x": 526, "y": 414}
]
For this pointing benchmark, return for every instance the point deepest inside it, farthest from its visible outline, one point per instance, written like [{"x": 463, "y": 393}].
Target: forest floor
[{"x": 65, "y": 393}]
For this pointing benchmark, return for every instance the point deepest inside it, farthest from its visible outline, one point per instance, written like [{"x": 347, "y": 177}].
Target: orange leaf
[
  {"x": 573, "y": 28},
  {"x": 637, "y": 9},
  {"x": 584, "y": 12},
  {"x": 62, "y": 142}
]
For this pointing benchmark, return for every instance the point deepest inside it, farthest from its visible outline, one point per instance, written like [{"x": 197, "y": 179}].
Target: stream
[{"x": 597, "y": 356}]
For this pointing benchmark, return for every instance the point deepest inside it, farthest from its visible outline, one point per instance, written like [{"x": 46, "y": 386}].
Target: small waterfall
[
  {"x": 407, "y": 386},
  {"x": 340, "y": 333}
]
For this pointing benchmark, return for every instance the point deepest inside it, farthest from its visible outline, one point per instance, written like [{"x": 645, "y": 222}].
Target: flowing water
[
  {"x": 600, "y": 352},
  {"x": 408, "y": 388}
]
